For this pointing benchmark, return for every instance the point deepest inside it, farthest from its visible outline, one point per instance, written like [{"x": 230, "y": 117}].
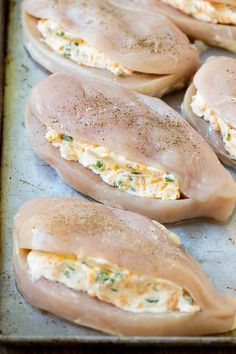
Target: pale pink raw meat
[
  {"x": 140, "y": 128},
  {"x": 160, "y": 55},
  {"x": 215, "y": 81},
  {"x": 71, "y": 227},
  {"x": 219, "y": 35}
]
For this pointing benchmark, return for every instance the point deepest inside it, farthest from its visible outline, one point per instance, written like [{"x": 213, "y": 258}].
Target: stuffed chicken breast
[
  {"x": 127, "y": 150},
  {"x": 213, "y": 22},
  {"x": 221, "y": 12},
  {"x": 113, "y": 270},
  {"x": 210, "y": 106},
  {"x": 101, "y": 40}
]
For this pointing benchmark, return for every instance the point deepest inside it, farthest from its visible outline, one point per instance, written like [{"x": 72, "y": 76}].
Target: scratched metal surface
[{"x": 24, "y": 176}]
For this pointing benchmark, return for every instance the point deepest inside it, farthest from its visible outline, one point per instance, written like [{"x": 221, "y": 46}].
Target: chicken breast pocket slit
[
  {"x": 102, "y": 40},
  {"x": 113, "y": 270},
  {"x": 126, "y": 150},
  {"x": 212, "y": 112},
  {"x": 214, "y": 11}
]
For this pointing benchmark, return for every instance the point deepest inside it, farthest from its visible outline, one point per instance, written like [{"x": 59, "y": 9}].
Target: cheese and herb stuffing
[
  {"x": 70, "y": 46},
  {"x": 202, "y": 109},
  {"x": 111, "y": 283},
  {"x": 206, "y": 11},
  {"x": 115, "y": 169}
]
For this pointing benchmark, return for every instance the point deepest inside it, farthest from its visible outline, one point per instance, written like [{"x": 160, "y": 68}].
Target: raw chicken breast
[
  {"x": 71, "y": 230},
  {"x": 151, "y": 57},
  {"x": 215, "y": 34},
  {"x": 135, "y": 128},
  {"x": 210, "y": 106}
]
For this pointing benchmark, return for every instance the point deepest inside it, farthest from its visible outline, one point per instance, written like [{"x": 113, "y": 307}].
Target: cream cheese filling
[
  {"x": 70, "y": 46},
  {"x": 111, "y": 283},
  {"x": 115, "y": 169},
  {"x": 202, "y": 109},
  {"x": 205, "y": 10}
]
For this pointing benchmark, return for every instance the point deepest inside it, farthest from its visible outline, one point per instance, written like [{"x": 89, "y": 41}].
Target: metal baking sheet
[{"x": 24, "y": 176}]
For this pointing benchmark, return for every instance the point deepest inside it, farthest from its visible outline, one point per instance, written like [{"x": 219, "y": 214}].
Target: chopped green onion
[
  {"x": 66, "y": 137},
  {"x": 152, "y": 301},
  {"x": 67, "y": 273},
  {"x": 111, "y": 281},
  {"x": 169, "y": 178},
  {"x": 119, "y": 71},
  {"x": 71, "y": 268},
  {"x": 119, "y": 183},
  {"x": 118, "y": 274},
  {"x": 103, "y": 276},
  {"x": 60, "y": 33},
  {"x": 134, "y": 172},
  {"x": 228, "y": 136},
  {"x": 67, "y": 52},
  {"x": 99, "y": 165}
]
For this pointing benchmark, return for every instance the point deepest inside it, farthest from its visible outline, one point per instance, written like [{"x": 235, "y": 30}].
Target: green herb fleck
[
  {"x": 169, "y": 178},
  {"x": 103, "y": 276},
  {"x": 60, "y": 33},
  {"x": 99, "y": 165},
  {"x": 67, "y": 52},
  {"x": 71, "y": 268},
  {"x": 66, "y": 137},
  {"x": 77, "y": 44},
  {"x": 152, "y": 301},
  {"x": 228, "y": 136},
  {"x": 112, "y": 289},
  {"x": 119, "y": 183},
  {"x": 67, "y": 273},
  {"x": 132, "y": 189},
  {"x": 111, "y": 281},
  {"x": 118, "y": 274},
  {"x": 134, "y": 172}
]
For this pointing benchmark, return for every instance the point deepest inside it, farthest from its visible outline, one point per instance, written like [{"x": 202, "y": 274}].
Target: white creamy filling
[
  {"x": 202, "y": 109},
  {"x": 205, "y": 10},
  {"x": 111, "y": 283},
  {"x": 70, "y": 46},
  {"x": 116, "y": 170}
]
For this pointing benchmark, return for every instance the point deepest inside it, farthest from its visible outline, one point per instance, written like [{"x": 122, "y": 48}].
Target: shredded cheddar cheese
[
  {"x": 71, "y": 47},
  {"x": 202, "y": 109},
  {"x": 116, "y": 170},
  {"x": 111, "y": 283},
  {"x": 206, "y": 11}
]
